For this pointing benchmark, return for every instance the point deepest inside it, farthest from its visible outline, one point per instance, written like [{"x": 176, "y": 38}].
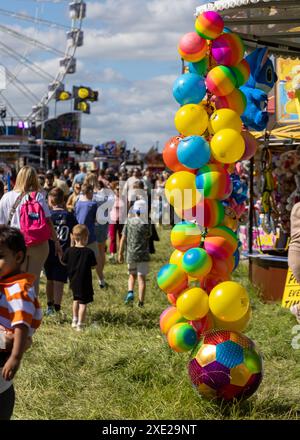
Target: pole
[
  {"x": 42, "y": 140},
  {"x": 251, "y": 207}
]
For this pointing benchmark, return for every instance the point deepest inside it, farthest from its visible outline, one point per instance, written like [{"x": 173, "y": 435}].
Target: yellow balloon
[
  {"x": 225, "y": 118},
  {"x": 193, "y": 303},
  {"x": 176, "y": 258},
  {"x": 191, "y": 119},
  {"x": 236, "y": 326},
  {"x": 229, "y": 301},
  {"x": 181, "y": 191},
  {"x": 227, "y": 146}
]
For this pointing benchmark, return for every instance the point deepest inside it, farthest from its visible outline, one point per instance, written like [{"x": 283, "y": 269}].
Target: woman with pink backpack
[{"x": 25, "y": 208}]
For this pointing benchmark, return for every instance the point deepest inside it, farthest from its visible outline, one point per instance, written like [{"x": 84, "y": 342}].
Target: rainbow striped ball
[
  {"x": 209, "y": 25},
  {"x": 228, "y": 49},
  {"x": 185, "y": 235},
  {"x": 236, "y": 101},
  {"x": 220, "y": 81},
  {"x": 168, "y": 318},
  {"x": 208, "y": 213},
  {"x": 241, "y": 72},
  {"x": 182, "y": 337},
  {"x": 214, "y": 181},
  {"x": 176, "y": 258},
  {"x": 192, "y": 47},
  {"x": 197, "y": 263},
  {"x": 221, "y": 242},
  {"x": 171, "y": 279},
  {"x": 200, "y": 67}
]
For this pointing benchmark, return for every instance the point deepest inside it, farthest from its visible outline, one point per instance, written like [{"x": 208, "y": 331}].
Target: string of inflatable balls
[{"x": 208, "y": 311}]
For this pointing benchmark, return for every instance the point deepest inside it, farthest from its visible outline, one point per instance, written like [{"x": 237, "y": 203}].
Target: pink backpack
[{"x": 33, "y": 222}]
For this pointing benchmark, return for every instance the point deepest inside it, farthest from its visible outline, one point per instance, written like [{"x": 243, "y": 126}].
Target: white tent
[{"x": 272, "y": 23}]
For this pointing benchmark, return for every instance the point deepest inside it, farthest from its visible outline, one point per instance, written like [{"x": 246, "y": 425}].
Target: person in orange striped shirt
[{"x": 20, "y": 313}]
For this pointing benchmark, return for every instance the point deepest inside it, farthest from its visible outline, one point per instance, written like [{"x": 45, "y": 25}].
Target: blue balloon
[
  {"x": 189, "y": 89},
  {"x": 193, "y": 152}
]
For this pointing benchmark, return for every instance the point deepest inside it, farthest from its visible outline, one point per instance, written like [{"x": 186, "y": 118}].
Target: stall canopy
[{"x": 272, "y": 23}]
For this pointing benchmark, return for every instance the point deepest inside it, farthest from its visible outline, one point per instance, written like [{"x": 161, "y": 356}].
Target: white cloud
[
  {"x": 116, "y": 34},
  {"x": 109, "y": 75}
]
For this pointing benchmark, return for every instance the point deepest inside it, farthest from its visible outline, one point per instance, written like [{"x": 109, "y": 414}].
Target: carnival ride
[{"x": 27, "y": 55}]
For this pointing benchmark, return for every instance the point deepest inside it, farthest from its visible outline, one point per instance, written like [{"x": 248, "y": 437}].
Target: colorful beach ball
[
  {"x": 176, "y": 258},
  {"x": 239, "y": 326},
  {"x": 203, "y": 325},
  {"x": 214, "y": 181},
  {"x": 170, "y": 155},
  {"x": 182, "y": 337},
  {"x": 236, "y": 101},
  {"x": 225, "y": 118},
  {"x": 228, "y": 49},
  {"x": 200, "y": 67},
  {"x": 207, "y": 213},
  {"x": 196, "y": 262},
  {"x": 251, "y": 145},
  {"x": 241, "y": 72},
  {"x": 189, "y": 88},
  {"x": 193, "y": 152},
  {"x": 169, "y": 317},
  {"x": 229, "y": 301},
  {"x": 220, "y": 81},
  {"x": 185, "y": 235},
  {"x": 192, "y": 47},
  {"x": 226, "y": 365},
  {"x": 227, "y": 146},
  {"x": 193, "y": 303},
  {"x": 221, "y": 242},
  {"x": 209, "y": 25},
  {"x": 171, "y": 279},
  {"x": 191, "y": 119},
  {"x": 181, "y": 191}
]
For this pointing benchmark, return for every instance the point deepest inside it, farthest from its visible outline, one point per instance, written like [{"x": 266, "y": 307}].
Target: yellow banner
[{"x": 291, "y": 295}]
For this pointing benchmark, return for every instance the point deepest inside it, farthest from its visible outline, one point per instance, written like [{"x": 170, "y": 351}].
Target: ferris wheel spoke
[
  {"x": 9, "y": 105},
  {"x": 25, "y": 61},
  {"x": 16, "y": 82},
  {"x": 66, "y": 65},
  {"x": 30, "y": 40},
  {"x": 31, "y": 19}
]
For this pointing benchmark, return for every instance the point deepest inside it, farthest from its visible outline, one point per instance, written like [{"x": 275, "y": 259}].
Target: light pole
[{"x": 42, "y": 141}]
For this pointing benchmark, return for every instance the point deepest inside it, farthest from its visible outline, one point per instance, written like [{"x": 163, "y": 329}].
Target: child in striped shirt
[{"x": 20, "y": 313}]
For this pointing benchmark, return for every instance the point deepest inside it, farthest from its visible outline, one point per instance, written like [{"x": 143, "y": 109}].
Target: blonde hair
[
  {"x": 27, "y": 180},
  {"x": 80, "y": 232},
  {"x": 92, "y": 180}
]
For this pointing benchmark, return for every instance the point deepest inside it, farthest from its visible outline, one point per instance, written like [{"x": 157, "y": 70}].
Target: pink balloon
[{"x": 251, "y": 145}]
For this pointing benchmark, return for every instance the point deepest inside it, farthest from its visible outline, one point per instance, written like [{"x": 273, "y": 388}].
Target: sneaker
[
  {"x": 112, "y": 258},
  {"x": 140, "y": 304},
  {"x": 79, "y": 327},
  {"x": 102, "y": 284},
  {"x": 50, "y": 311},
  {"x": 129, "y": 298},
  {"x": 295, "y": 310},
  {"x": 74, "y": 323}
]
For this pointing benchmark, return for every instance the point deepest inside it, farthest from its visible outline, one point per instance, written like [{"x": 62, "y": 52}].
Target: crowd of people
[{"x": 57, "y": 224}]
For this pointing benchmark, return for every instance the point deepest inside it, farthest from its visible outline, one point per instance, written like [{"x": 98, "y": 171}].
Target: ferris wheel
[{"x": 38, "y": 44}]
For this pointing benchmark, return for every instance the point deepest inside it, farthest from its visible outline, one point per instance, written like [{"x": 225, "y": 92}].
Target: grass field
[{"x": 121, "y": 367}]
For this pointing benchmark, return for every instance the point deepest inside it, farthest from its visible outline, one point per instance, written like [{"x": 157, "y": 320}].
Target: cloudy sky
[{"x": 129, "y": 55}]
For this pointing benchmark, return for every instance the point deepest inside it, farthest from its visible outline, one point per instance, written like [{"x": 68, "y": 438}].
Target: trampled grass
[{"x": 121, "y": 367}]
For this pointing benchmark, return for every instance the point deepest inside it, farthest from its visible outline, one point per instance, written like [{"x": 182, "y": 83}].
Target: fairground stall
[{"x": 273, "y": 174}]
